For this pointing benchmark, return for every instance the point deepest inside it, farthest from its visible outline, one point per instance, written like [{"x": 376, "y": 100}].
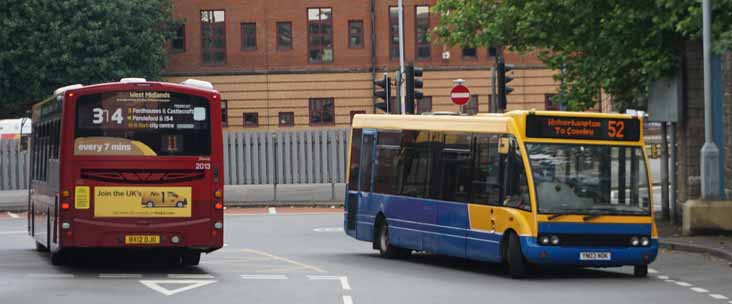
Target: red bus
[{"x": 134, "y": 164}]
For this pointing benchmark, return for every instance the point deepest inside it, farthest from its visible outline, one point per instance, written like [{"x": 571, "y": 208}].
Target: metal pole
[
  {"x": 401, "y": 57},
  {"x": 675, "y": 213},
  {"x": 709, "y": 152},
  {"x": 664, "y": 172},
  {"x": 494, "y": 103},
  {"x": 398, "y": 86}
]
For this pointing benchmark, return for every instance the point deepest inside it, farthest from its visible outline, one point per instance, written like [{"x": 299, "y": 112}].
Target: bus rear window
[{"x": 142, "y": 123}]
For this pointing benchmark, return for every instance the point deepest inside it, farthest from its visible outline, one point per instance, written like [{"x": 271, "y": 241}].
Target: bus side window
[
  {"x": 355, "y": 159},
  {"x": 387, "y": 154},
  {"x": 414, "y": 164},
  {"x": 486, "y": 182},
  {"x": 456, "y": 166},
  {"x": 516, "y": 184}
]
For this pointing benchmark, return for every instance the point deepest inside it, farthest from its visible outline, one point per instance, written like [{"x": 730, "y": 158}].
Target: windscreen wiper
[{"x": 556, "y": 215}]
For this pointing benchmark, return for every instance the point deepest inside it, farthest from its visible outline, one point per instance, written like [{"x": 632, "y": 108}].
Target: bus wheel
[
  {"x": 191, "y": 258},
  {"x": 517, "y": 267},
  {"x": 640, "y": 271},
  {"x": 386, "y": 249},
  {"x": 40, "y": 247}
]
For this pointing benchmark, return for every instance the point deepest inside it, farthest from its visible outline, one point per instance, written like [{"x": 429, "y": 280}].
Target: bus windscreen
[{"x": 142, "y": 123}]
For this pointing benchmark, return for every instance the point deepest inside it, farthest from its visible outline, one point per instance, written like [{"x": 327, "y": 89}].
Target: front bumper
[{"x": 560, "y": 255}]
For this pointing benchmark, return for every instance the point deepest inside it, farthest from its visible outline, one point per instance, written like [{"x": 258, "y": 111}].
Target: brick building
[{"x": 302, "y": 64}]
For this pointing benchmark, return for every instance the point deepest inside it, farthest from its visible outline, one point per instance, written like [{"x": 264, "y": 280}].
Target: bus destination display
[
  {"x": 563, "y": 127},
  {"x": 142, "y": 110}
]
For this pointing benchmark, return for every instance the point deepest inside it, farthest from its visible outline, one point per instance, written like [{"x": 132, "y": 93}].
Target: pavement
[
  {"x": 299, "y": 255},
  {"x": 670, "y": 237}
]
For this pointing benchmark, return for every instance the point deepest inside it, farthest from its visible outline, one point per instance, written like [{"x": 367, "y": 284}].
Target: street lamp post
[{"x": 710, "y": 151}]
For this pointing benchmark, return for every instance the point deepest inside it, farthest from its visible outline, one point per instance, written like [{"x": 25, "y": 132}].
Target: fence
[
  {"x": 250, "y": 158},
  {"x": 285, "y": 157},
  {"x": 13, "y": 166}
]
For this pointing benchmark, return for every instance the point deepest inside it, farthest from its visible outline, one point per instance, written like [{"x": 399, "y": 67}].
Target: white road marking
[
  {"x": 651, "y": 270},
  {"x": 328, "y": 229},
  {"x": 264, "y": 276},
  {"x": 14, "y": 232},
  {"x": 272, "y": 210},
  {"x": 719, "y": 296},
  {"x": 50, "y": 275},
  {"x": 120, "y": 275},
  {"x": 699, "y": 290},
  {"x": 347, "y": 300},
  {"x": 663, "y": 277},
  {"x": 190, "y": 276},
  {"x": 684, "y": 284},
  {"x": 271, "y": 256},
  {"x": 342, "y": 279},
  {"x": 191, "y": 284},
  {"x": 13, "y": 215}
]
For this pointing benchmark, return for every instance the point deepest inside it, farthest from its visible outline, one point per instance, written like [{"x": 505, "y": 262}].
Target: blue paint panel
[
  {"x": 590, "y": 228},
  {"x": 483, "y": 246},
  {"x": 561, "y": 255},
  {"x": 452, "y": 241}
]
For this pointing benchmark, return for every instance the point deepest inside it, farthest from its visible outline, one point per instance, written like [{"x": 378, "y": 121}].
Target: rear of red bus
[{"x": 141, "y": 167}]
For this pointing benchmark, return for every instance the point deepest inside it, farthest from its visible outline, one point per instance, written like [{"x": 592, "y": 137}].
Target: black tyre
[
  {"x": 59, "y": 258},
  {"x": 40, "y": 247},
  {"x": 640, "y": 271},
  {"x": 517, "y": 266},
  {"x": 386, "y": 249},
  {"x": 191, "y": 258}
]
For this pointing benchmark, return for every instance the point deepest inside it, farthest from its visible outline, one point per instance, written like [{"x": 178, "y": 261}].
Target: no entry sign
[{"x": 460, "y": 94}]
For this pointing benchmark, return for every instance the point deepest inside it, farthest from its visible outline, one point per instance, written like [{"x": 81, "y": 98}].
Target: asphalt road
[{"x": 296, "y": 258}]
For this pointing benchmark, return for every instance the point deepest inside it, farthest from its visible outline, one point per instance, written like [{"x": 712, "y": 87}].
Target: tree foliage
[
  {"x": 616, "y": 46},
  {"x": 46, "y": 44}
]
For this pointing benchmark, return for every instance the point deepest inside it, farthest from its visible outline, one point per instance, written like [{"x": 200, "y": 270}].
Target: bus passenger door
[{"x": 366, "y": 181}]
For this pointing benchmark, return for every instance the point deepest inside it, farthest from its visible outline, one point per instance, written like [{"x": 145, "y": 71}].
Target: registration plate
[
  {"x": 142, "y": 239},
  {"x": 594, "y": 256}
]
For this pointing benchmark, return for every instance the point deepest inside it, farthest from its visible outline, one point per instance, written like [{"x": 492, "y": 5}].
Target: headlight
[
  {"x": 555, "y": 240},
  {"x": 644, "y": 241},
  {"x": 634, "y": 241},
  {"x": 544, "y": 240}
]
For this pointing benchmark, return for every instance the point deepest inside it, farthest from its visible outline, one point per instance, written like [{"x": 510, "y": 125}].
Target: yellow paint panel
[
  {"x": 142, "y": 201},
  {"x": 499, "y": 219},
  {"x": 81, "y": 197},
  {"x": 598, "y": 220}
]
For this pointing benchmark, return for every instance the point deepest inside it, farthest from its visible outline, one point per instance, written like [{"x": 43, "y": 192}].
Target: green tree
[
  {"x": 616, "y": 46},
  {"x": 46, "y": 44}
]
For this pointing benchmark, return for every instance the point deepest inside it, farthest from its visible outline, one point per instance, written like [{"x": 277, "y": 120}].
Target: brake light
[
  {"x": 65, "y": 206},
  {"x": 219, "y": 205}
]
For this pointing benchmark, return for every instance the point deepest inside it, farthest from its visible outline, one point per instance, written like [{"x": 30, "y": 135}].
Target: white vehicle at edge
[{"x": 11, "y": 128}]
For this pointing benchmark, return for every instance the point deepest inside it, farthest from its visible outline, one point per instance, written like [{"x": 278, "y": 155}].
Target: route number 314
[
  {"x": 615, "y": 128},
  {"x": 102, "y": 115}
]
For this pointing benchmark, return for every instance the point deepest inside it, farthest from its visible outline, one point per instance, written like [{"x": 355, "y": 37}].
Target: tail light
[
  {"x": 65, "y": 206},
  {"x": 219, "y": 205}
]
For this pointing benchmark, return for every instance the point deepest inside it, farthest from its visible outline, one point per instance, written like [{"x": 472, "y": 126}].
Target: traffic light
[
  {"x": 413, "y": 82},
  {"x": 383, "y": 92},
  {"x": 503, "y": 79}
]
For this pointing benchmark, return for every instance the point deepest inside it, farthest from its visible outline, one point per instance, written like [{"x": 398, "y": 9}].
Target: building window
[
  {"x": 393, "y": 32},
  {"x": 549, "y": 103},
  {"x": 322, "y": 111},
  {"x": 248, "y": 36},
  {"x": 284, "y": 35},
  {"x": 472, "y": 106},
  {"x": 422, "y": 25},
  {"x": 179, "y": 41},
  {"x": 286, "y": 119},
  {"x": 356, "y": 112},
  {"x": 213, "y": 37},
  {"x": 355, "y": 34},
  {"x": 424, "y": 105},
  {"x": 224, "y": 113},
  {"x": 320, "y": 35},
  {"x": 251, "y": 119},
  {"x": 470, "y": 53}
]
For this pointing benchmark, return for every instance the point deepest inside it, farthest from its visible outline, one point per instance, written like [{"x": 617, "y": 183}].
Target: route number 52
[{"x": 615, "y": 129}]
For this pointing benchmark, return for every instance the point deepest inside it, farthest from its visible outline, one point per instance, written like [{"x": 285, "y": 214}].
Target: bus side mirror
[{"x": 503, "y": 145}]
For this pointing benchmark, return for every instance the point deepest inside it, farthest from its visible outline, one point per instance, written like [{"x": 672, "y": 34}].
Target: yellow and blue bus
[{"x": 525, "y": 188}]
